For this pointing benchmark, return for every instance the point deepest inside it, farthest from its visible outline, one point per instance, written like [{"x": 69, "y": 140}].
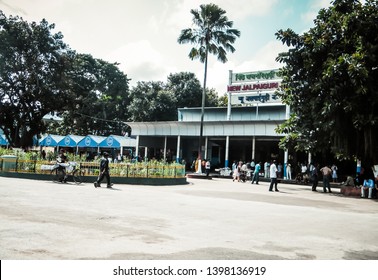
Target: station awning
[{"x": 210, "y": 128}]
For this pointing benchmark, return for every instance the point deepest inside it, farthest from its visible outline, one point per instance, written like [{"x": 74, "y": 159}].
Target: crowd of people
[
  {"x": 242, "y": 171},
  {"x": 366, "y": 180},
  {"x": 304, "y": 173}
]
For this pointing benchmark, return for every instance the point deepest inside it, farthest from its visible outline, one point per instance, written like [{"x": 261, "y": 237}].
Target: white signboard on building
[
  {"x": 254, "y": 87},
  {"x": 255, "y": 76}
]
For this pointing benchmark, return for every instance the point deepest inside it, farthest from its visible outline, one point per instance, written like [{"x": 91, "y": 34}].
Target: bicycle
[{"x": 71, "y": 169}]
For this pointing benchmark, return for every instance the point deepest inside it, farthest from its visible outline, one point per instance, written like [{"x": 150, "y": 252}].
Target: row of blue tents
[{"x": 89, "y": 141}]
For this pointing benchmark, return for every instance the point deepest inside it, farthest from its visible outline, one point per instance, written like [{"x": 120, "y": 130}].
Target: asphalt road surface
[{"x": 204, "y": 220}]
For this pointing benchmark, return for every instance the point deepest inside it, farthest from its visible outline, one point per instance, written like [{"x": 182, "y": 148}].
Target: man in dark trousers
[
  {"x": 273, "y": 176},
  {"x": 104, "y": 172},
  {"x": 326, "y": 171},
  {"x": 314, "y": 176}
]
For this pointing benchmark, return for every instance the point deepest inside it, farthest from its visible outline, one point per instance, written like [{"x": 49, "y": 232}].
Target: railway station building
[{"x": 244, "y": 130}]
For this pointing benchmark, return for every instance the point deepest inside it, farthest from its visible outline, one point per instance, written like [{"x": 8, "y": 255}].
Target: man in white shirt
[
  {"x": 207, "y": 167},
  {"x": 273, "y": 176}
]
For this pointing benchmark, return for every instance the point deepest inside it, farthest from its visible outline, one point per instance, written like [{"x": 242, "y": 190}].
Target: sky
[{"x": 141, "y": 35}]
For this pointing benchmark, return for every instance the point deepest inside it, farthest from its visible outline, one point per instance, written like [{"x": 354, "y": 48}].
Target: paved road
[{"x": 205, "y": 219}]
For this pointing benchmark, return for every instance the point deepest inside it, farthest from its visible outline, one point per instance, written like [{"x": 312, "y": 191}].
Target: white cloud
[
  {"x": 264, "y": 58},
  {"x": 142, "y": 35},
  {"x": 309, "y": 16},
  {"x": 319, "y": 4},
  {"x": 181, "y": 17},
  {"x": 141, "y": 62}
]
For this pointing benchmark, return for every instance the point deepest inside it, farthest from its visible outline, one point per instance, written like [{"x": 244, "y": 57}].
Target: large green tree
[
  {"x": 213, "y": 33},
  {"x": 159, "y": 101},
  {"x": 151, "y": 102},
  {"x": 99, "y": 99},
  {"x": 186, "y": 88},
  {"x": 33, "y": 77},
  {"x": 187, "y": 91},
  {"x": 330, "y": 81}
]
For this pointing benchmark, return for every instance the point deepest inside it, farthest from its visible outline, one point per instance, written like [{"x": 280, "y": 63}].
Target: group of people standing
[
  {"x": 273, "y": 170},
  {"x": 205, "y": 166},
  {"x": 326, "y": 172},
  {"x": 240, "y": 169}
]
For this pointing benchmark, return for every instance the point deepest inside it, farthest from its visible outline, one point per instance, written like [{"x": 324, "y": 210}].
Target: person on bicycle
[
  {"x": 104, "y": 172},
  {"x": 62, "y": 158}
]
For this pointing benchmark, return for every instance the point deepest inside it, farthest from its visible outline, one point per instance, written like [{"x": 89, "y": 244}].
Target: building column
[
  {"x": 287, "y": 112},
  {"x": 206, "y": 143},
  {"x": 286, "y": 157},
  {"x": 178, "y": 149},
  {"x": 309, "y": 158},
  {"x": 145, "y": 153},
  {"x": 226, "y": 151},
  {"x": 137, "y": 147},
  {"x": 165, "y": 148},
  {"x": 229, "y": 96},
  {"x": 253, "y": 147}
]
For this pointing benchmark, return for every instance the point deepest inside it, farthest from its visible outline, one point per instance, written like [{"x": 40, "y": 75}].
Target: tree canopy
[
  {"x": 33, "y": 77},
  {"x": 40, "y": 74},
  {"x": 159, "y": 101},
  {"x": 99, "y": 101},
  {"x": 330, "y": 81},
  {"x": 145, "y": 102}
]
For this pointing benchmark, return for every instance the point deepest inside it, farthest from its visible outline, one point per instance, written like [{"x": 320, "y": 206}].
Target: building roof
[{"x": 212, "y": 128}]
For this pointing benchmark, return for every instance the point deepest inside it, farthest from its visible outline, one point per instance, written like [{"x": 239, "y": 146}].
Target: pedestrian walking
[
  {"x": 273, "y": 176},
  {"x": 256, "y": 173},
  {"x": 314, "y": 177},
  {"x": 104, "y": 172},
  {"x": 236, "y": 174}
]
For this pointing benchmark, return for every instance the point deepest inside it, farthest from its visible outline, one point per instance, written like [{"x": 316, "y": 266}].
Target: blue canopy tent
[
  {"x": 91, "y": 141},
  {"x": 70, "y": 141},
  {"x": 118, "y": 142},
  {"x": 3, "y": 141},
  {"x": 50, "y": 140}
]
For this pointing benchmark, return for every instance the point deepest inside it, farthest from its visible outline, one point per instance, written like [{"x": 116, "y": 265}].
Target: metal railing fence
[{"x": 127, "y": 170}]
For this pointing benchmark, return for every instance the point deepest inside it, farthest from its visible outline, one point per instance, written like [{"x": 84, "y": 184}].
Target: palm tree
[{"x": 213, "y": 34}]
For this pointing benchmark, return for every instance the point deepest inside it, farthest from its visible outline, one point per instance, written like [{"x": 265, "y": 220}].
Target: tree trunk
[{"x": 202, "y": 107}]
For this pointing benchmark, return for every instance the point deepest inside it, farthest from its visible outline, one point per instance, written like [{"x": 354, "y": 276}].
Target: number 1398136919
[{"x": 233, "y": 271}]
